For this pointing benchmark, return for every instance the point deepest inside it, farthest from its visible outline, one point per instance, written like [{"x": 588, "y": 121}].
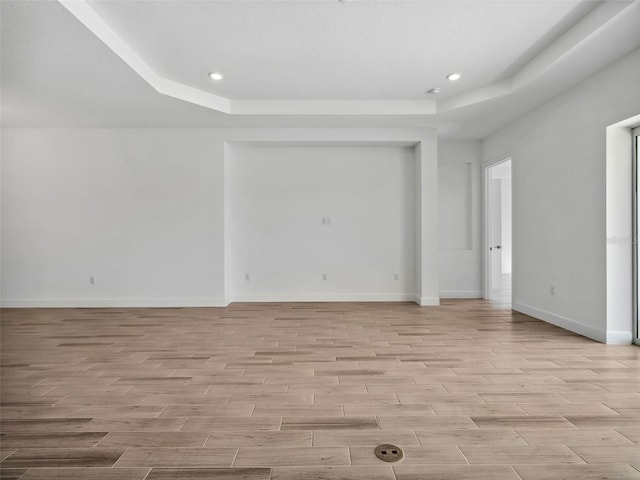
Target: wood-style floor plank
[
  {"x": 455, "y": 472},
  {"x": 51, "y": 440},
  {"x": 12, "y": 473},
  {"x": 293, "y": 456},
  {"x": 158, "y": 439},
  {"x": 577, "y": 436},
  {"x": 581, "y": 472},
  {"x": 209, "y": 474},
  {"x": 470, "y": 437},
  {"x": 95, "y": 473},
  {"x": 505, "y": 454},
  {"x": 608, "y": 454},
  {"x": 277, "y": 439},
  {"x": 329, "y": 423},
  {"x": 63, "y": 457},
  {"x": 333, "y": 473},
  {"x": 177, "y": 457}
]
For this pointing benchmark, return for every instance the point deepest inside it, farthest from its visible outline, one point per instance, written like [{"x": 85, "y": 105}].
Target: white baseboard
[
  {"x": 326, "y": 297},
  {"x": 427, "y": 301},
  {"x": 355, "y": 297},
  {"x": 113, "y": 303},
  {"x": 460, "y": 294},
  {"x": 562, "y": 322},
  {"x": 619, "y": 338},
  {"x": 214, "y": 302}
]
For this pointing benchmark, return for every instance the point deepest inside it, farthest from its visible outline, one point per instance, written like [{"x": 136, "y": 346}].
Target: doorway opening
[{"x": 498, "y": 233}]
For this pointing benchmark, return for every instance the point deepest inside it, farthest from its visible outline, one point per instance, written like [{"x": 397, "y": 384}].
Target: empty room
[{"x": 319, "y": 239}]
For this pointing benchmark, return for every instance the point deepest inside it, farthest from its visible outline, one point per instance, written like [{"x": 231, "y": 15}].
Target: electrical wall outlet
[
  {"x": 92, "y": 280},
  {"x": 552, "y": 290}
]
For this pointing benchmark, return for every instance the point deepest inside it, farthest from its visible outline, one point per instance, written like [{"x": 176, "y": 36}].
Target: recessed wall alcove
[{"x": 337, "y": 220}]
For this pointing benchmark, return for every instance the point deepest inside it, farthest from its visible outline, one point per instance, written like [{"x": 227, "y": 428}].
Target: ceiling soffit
[{"x": 604, "y": 17}]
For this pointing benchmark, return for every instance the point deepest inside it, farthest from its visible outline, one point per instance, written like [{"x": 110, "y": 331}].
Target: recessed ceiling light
[
  {"x": 216, "y": 76},
  {"x": 454, "y": 76},
  {"x": 433, "y": 91}
]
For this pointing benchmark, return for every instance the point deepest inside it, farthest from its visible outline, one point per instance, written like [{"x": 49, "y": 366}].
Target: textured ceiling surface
[{"x": 303, "y": 63}]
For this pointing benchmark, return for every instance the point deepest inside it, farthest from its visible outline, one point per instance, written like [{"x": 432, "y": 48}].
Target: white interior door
[
  {"x": 498, "y": 232},
  {"x": 495, "y": 236}
]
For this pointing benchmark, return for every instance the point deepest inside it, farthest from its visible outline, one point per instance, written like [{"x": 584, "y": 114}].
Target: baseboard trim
[
  {"x": 619, "y": 338},
  {"x": 216, "y": 302},
  {"x": 562, "y": 322},
  {"x": 114, "y": 303},
  {"x": 460, "y": 294},
  {"x": 329, "y": 297},
  {"x": 427, "y": 301}
]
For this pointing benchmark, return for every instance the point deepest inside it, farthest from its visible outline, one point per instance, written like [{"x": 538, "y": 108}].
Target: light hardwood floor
[{"x": 306, "y": 391}]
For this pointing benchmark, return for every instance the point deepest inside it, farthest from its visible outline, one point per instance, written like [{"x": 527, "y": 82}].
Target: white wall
[
  {"x": 144, "y": 211},
  {"x": 279, "y": 196},
  {"x": 459, "y": 217},
  {"x": 141, "y": 210},
  {"x": 558, "y": 153}
]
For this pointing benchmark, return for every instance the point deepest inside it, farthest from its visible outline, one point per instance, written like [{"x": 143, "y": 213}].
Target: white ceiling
[
  {"x": 328, "y": 50},
  {"x": 322, "y": 63}
]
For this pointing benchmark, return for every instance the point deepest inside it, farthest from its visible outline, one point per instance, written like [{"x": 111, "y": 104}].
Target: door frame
[
  {"x": 486, "y": 271},
  {"x": 635, "y": 145}
]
